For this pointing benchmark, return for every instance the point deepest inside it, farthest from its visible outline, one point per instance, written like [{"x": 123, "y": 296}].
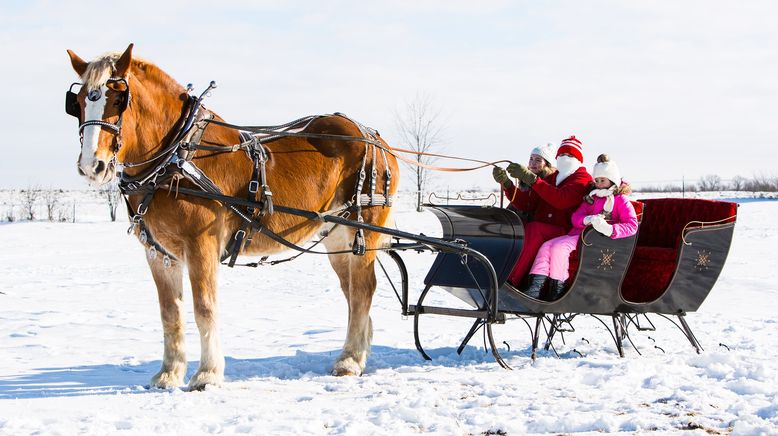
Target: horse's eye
[{"x": 94, "y": 95}]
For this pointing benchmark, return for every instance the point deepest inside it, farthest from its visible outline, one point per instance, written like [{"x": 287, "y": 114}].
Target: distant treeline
[
  {"x": 712, "y": 183},
  {"x": 36, "y": 204}
]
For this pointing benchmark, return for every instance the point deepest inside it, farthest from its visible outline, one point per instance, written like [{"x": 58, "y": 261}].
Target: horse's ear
[
  {"x": 123, "y": 64},
  {"x": 79, "y": 65}
]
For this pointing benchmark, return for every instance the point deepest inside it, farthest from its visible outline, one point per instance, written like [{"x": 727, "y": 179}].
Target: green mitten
[{"x": 522, "y": 173}]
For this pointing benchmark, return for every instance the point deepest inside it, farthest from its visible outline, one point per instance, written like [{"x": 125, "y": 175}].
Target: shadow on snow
[{"x": 133, "y": 379}]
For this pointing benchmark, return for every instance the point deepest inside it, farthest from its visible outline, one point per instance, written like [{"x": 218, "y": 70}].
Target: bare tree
[
  {"x": 29, "y": 197},
  {"x": 710, "y": 182},
  {"x": 110, "y": 192},
  {"x": 9, "y": 214},
  {"x": 762, "y": 182},
  {"x": 420, "y": 127},
  {"x": 51, "y": 199},
  {"x": 738, "y": 183}
]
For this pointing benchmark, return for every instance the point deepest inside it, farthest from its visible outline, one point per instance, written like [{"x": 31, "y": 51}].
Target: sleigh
[{"x": 667, "y": 269}]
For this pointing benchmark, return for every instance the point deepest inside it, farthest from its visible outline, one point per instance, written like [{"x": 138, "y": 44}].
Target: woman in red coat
[{"x": 550, "y": 201}]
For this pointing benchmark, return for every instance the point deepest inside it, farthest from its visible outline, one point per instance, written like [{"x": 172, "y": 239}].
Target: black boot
[
  {"x": 535, "y": 285},
  {"x": 555, "y": 289}
]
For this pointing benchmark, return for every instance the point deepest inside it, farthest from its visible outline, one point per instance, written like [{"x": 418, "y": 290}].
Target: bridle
[
  {"x": 187, "y": 120},
  {"x": 72, "y": 107}
]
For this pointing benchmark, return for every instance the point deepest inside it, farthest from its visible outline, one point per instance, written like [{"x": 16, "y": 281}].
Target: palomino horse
[{"x": 131, "y": 112}]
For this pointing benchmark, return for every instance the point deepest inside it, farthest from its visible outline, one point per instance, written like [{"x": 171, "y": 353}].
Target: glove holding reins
[
  {"x": 501, "y": 177},
  {"x": 522, "y": 173}
]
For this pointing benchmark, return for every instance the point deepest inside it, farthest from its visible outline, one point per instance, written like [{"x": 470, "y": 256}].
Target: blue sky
[{"x": 668, "y": 89}]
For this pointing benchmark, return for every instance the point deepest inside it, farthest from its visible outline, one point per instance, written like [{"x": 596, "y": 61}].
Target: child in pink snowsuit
[{"x": 606, "y": 208}]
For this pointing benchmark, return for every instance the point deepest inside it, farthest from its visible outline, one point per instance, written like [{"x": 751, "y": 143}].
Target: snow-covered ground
[{"x": 80, "y": 336}]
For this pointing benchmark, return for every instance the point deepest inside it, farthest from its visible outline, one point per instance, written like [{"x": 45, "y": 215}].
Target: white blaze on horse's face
[{"x": 94, "y": 160}]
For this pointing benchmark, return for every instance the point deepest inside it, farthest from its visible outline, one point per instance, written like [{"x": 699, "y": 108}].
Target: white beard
[{"x": 565, "y": 166}]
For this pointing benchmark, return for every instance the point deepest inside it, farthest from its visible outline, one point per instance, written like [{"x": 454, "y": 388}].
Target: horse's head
[{"x": 99, "y": 106}]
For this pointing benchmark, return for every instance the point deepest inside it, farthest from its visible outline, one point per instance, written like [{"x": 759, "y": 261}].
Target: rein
[{"x": 391, "y": 150}]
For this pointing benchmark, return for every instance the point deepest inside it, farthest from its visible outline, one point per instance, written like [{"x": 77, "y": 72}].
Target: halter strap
[{"x": 115, "y": 127}]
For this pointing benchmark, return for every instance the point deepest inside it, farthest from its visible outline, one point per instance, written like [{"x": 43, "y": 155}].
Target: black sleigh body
[{"x": 667, "y": 268}]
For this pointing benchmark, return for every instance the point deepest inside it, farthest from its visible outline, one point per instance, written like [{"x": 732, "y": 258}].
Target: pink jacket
[{"x": 623, "y": 217}]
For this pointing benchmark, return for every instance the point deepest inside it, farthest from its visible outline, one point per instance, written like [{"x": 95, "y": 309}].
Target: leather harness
[{"x": 174, "y": 162}]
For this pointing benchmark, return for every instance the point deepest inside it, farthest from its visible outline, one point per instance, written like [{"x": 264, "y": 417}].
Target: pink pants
[
  {"x": 553, "y": 259},
  {"x": 535, "y": 234}
]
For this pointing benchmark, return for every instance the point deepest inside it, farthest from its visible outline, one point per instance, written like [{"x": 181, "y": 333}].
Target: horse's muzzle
[{"x": 97, "y": 172}]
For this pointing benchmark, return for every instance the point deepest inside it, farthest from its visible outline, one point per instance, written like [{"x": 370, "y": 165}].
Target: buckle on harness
[
  {"x": 358, "y": 248},
  {"x": 253, "y": 186}
]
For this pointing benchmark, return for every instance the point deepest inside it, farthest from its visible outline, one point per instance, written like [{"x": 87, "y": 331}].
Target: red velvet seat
[{"x": 649, "y": 273}]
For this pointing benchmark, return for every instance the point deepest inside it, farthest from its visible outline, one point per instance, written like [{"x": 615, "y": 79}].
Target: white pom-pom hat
[
  {"x": 609, "y": 170},
  {"x": 547, "y": 152}
]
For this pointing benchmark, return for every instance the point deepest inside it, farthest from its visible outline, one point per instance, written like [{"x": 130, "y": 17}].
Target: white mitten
[
  {"x": 602, "y": 226},
  {"x": 588, "y": 219}
]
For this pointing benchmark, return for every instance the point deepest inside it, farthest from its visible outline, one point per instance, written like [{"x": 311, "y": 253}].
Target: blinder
[
  {"x": 71, "y": 102},
  {"x": 73, "y": 108}
]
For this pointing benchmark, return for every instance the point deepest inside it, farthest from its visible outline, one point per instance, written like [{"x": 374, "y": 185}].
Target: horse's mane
[
  {"x": 103, "y": 68},
  {"x": 100, "y": 70}
]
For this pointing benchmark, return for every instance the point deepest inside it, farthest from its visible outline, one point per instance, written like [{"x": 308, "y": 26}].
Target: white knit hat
[
  {"x": 547, "y": 152},
  {"x": 608, "y": 169}
]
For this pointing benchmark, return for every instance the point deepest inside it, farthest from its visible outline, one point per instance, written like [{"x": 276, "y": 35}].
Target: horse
[{"x": 130, "y": 112}]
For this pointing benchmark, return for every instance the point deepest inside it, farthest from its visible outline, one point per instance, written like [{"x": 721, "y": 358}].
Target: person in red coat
[{"x": 550, "y": 201}]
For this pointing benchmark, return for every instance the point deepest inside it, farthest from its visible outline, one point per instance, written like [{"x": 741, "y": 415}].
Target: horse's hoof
[
  {"x": 196, "y": 388},
  {"x": 346, "y": 367},
  {"x": 166, "y": 380},
  {"x": 200, "y": 380},
  {"x": 343, "y": 372}
]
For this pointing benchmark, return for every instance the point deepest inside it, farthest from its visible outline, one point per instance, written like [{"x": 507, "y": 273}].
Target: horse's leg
[
  {"x": 358, "y": 282},
  {"x": 169, "y": 290},
  {"x": 202, "y": 264}
]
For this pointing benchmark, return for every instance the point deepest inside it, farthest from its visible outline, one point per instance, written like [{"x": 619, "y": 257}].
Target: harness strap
[
  {"x": 240, "y": 239},
  {"x": 387, "y": 180},
  {"x": 232, "y": 202},
  {"x": 373, "y": 176},
  {"x": 191, "y": 139},
  {"x": 264, "y": 197},
  {"x": 164, "y": 155},
  {"x": 144, "y": 235}
]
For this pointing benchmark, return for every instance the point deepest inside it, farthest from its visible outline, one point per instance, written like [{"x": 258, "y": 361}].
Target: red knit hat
[{"x": 572, "y": 146}]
